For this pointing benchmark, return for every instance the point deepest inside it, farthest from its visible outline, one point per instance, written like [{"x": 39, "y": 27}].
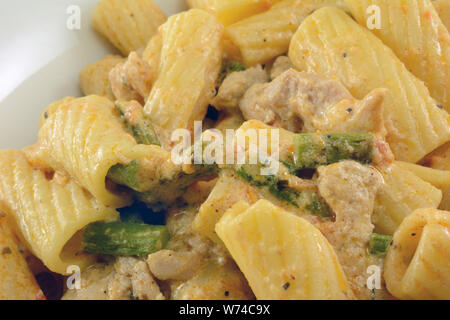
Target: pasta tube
[
  {"x": 281, "y": 255},
  {"x": 48, "y": 213},
  {"x": 94, "y": 78},
  {"x": 417, "y": 263},
  {"x": 190, "y": 63},
  {"x": 262, "y": 37},
  {"x": 401, "y": 193},
  {"x": 128, "y": 25},
  {"x": 443, "y": 9},
  {"x": 414, "y": 31},
  {"x": 85, "y": 138},
  {"x": 331, "y": 44},
  {"x": 16, "y": 280},
  {"x": 230, "y": 11}
]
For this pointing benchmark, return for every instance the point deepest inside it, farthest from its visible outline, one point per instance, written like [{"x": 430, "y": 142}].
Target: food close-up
[{"x": 240, "y": 150}]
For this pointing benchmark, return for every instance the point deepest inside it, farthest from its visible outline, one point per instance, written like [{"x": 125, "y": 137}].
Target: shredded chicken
[
  {"x": 280, "y": 65},
  {"x": 299, "y": 101},
  {"x": 350, "y": 189},
  {"x": 236, "y": 84},
  {"x": 132, "y": 80},
  {"x": 133, "y": 280}
]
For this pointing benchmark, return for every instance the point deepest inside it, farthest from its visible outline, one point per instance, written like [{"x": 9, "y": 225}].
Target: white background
[{"x": 40, "y": 60}]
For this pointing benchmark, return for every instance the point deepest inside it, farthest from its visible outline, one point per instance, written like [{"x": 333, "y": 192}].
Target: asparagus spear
[
  {"x": 379, "y": 244},
  {"x": 314, "y": 150},
  {"x": 133, "y": 116},
  {"x": 155, "y": 188},
  {"x": 124, "y": 238},
  {"x": 309, "y": 200}
]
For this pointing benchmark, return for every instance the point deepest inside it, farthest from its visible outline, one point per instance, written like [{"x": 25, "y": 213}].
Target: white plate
[{"x": 40, "y": 59}]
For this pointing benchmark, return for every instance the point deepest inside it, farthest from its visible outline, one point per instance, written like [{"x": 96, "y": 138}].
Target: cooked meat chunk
[
  {"x": 131, "y": 80},
  {"x": 236, "y": 84},
  {"x": 350, "y": 189},
  {"x": 299, "y": 101},
  {"x": 172, "y": 265},
  {"x": 280, "y": 65},
  {"x": 133, "y": 280}
]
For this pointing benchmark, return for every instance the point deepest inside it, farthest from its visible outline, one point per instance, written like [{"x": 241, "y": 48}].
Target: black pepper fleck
[
  {"x": 227, "y": 293},
  {"x": 440, "y": 106},
  {"x": 349, "y": 110},
  {"x": 344, "y": 54},
  {"x": 286, "y": 285},
  {"x": 413, "y": 234}
]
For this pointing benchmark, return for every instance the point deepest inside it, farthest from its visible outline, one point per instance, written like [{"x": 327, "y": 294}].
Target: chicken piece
[
  {"x": 132, "y": 79},
  {"x": 236, "y": 84},
  {"x": 299, "y": 101},
  {"x": 133, "y": 280},
  {"x": 350, "y": 188},
  {"x": 172, "y": 265},
  {"x": 281, "y": 64},
  {"x": 94, "y": 283}
]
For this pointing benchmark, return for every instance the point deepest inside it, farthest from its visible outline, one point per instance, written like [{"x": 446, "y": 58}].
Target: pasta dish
[{"x": 240, "y": 150}]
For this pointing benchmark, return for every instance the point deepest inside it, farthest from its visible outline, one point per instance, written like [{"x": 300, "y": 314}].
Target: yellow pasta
[
  {"x": 128, "y": 25},
  {"x": 401, "y": 194},
  {"x": 230, "y": 11},
  {"x": 85, "y": 138},
  {"x": 282, "y": 256},
  {"x": 48, "y": 212},
  {"x": 414, "y": 31},
  {"x": 331, "y": 44},
  {"x": 262, "y": 37},
  {"x": 191, "y": 58},
  {"x": 152, "y": 54},
  {"x": 228, "y": 191},
  {"x": 443, "y": 9},
  {"x": 417, "y": 263},
  {"x": 440, "y": 160},
  {"x": 16, "y": 280},
  {"x": 94, "y": 78},
  {"x": 438, "y": 178}
]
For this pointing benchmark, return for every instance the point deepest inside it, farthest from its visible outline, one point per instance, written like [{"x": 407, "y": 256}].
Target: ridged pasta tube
[
  {"x": 281, "y": 255},
  {"x": 414, "y": 31},
  {"x": 48, "y": 212},
  {"x": 417, "y": 265},
  {"x": 332, "y": 44},
  {"x": 128, "y": 25}
]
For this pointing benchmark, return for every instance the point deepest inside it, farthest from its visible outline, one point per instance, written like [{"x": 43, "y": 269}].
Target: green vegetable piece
[
  {"x": 126, "y": 175},
  {"x": 307, "y": 199},
  {"x": 314, "y": 150},
  {"x": 236, "y": 66},
  {"x": 379, "y": 244},
  {"x": 124, "y": 238},
  {"x": 134, "y": 118}
]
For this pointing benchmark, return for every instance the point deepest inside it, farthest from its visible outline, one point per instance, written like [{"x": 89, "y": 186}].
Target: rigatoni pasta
[
  {"x": 16, "y": 280},
  {"x": 128, "y": 25},
  {"x": 417, "y": 261},
  {"x": 264, "y": 36},
  {"x": 443, "y": 9},
  {"x": 230, "y": 11},
  {"x": 414, "y": 31},
  {"x": 191, "y": 58},
  {"x": 94, "y": 78},
  {"x": 283, "y": 257},
  {"x": 48, "y": 212},
  {"x": 331, "y": 44},
  {"x": 401, "y": 193},
  {"x": 85, "y": 138}
]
